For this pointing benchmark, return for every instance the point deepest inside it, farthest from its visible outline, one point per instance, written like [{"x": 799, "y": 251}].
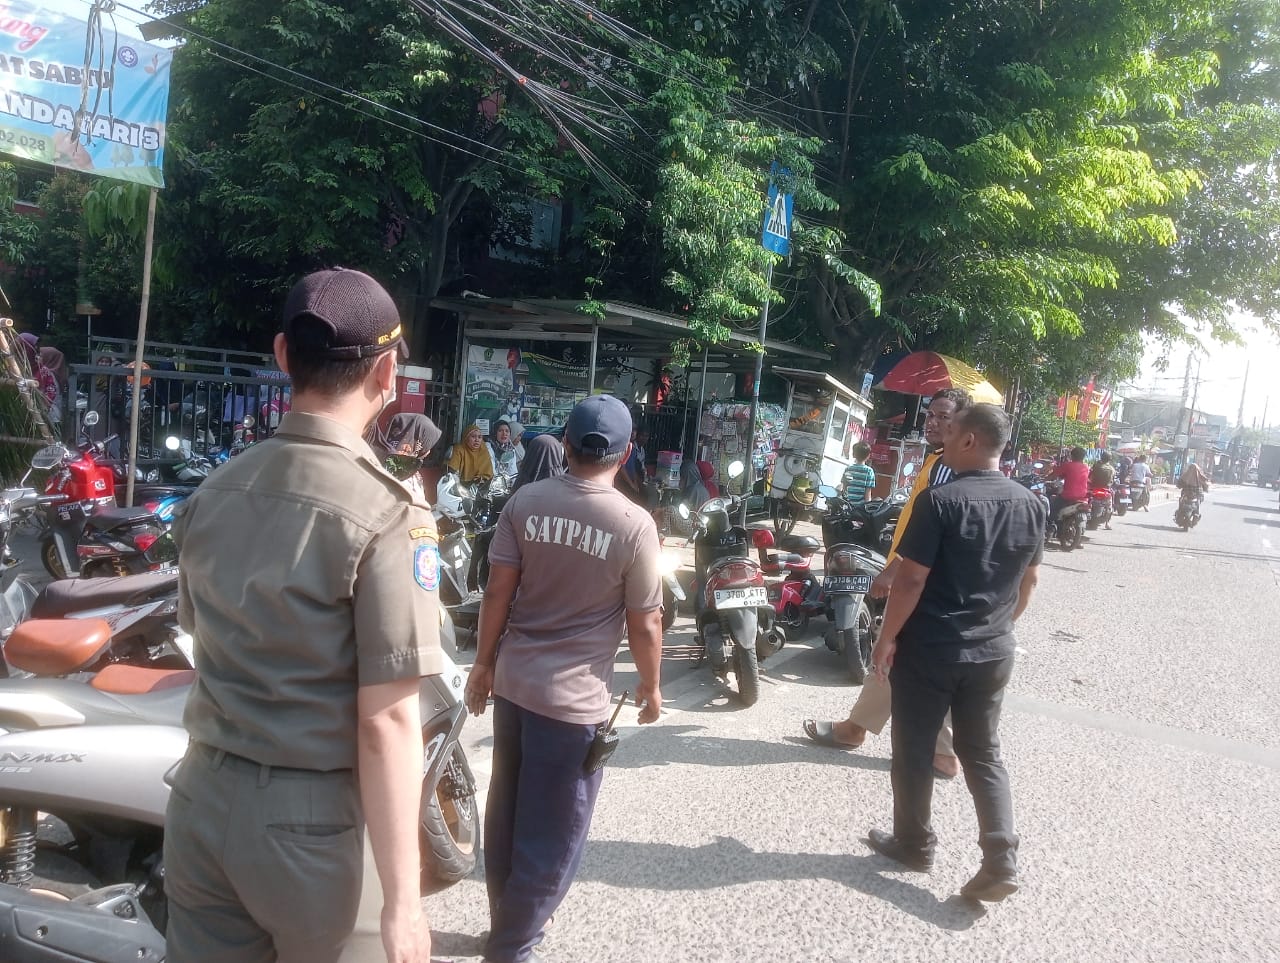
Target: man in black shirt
[{"x": 970, "y": 559}]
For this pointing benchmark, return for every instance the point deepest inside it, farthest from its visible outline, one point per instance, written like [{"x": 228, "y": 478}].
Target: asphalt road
[{"x": 1143, "y": 739}]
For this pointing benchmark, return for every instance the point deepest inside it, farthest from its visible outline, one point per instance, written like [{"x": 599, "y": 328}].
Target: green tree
[{"x": 17, "y": 233}]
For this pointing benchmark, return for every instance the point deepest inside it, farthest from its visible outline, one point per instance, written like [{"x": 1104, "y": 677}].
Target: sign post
[{"x": 775, "y": 236}]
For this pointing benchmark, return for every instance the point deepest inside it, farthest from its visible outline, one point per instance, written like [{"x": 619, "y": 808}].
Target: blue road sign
[{"x": 776, "y": 235}]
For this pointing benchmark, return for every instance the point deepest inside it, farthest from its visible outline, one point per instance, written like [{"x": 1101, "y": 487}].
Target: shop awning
[{"x": 645, "y": 332}]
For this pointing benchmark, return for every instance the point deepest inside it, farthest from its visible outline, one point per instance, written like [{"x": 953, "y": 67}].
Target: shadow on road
[
  {"x": 726, "y": 861},
  {"x": 1245, "y": 508},
  {"x": 691, "y": 749},
  {"x": 1203, "y": 552},
  {"x": 1064, "y": 568},
  {"x": 1265, "y": 522},
  {"x": 456, "y": 944}
]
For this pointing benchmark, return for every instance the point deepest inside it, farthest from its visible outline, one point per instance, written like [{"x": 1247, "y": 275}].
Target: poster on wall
[{"x": 532, "y": 390}]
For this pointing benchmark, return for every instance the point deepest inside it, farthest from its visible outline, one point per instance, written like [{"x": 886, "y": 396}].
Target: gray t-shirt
[{"x": 587, "y": 554}]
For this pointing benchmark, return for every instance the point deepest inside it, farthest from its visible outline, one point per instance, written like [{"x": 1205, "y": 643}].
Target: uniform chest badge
[{"x": 426, "y": 566}]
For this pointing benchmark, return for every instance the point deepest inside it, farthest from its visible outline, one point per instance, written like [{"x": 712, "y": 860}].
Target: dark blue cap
[{"x": 599, "y": 425}]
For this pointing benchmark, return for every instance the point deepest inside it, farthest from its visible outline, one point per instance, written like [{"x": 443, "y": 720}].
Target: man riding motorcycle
[
  {"x": 1103, "y": 475},
  {"x": 1075, "y": 481}
]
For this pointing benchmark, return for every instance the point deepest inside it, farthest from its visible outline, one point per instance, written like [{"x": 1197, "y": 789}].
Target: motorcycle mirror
[
  {"x": 909, "y": 469},
  {"x": 90, "y": 419},
  {"x": 683, "y": 511},
  {"x": 826, "y": 491},
  {"x": 736, "y": 468},
  {"x": 172, "y": 443},
  {"x": 47, "y": 457}
]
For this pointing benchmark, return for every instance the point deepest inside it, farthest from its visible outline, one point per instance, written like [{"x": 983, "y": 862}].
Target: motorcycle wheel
[
  {"x": 857, "y": 645},
  {"x": 1120, "y": 511},
  {"x": 747, "y": 668},
  {"x": 1066, "y": 535},
  {"x": 668, "y": 613},
  {"x": 449, "y": 827},
  {"x": 52, "y": 563}
]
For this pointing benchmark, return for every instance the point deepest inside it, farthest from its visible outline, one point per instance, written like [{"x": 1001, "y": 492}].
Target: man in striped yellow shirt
[{"x": 872, "y": 710}]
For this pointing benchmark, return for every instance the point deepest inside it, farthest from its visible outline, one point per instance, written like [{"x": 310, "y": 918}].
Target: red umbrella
[{"x": 926, "y": 372}]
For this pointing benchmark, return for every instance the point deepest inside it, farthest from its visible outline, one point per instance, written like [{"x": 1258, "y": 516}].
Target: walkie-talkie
[{"x": 605, "y": 741}]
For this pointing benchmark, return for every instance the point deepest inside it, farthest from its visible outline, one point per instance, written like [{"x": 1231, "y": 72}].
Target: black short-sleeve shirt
[{"x": 977, "y": 535}]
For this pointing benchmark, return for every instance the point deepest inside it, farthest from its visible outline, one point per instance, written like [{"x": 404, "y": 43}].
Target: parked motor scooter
[
  {"x": 86, "y": 534},
  {"x": 88, "y": 761},
  {"x": 106, "y": 925},
  {"x": 849, "y": 569},
  {"x": 735, "y": 622},
  {"x": 798, "y": 597}
]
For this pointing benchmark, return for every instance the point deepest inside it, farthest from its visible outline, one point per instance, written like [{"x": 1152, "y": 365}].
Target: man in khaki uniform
[{"x": 308, "y": 580}]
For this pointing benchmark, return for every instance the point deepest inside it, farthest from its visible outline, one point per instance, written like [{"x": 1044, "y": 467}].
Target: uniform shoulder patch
[
  {"x": 423, "y": 531},
  {"x": 426, "y": 566}
]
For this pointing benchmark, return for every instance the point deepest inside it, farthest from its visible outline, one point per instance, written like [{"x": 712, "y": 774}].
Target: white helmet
[{"x": 449, "y": 497}]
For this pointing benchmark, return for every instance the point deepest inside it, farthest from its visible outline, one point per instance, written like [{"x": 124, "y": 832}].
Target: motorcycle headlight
[{"x": 668, "y": 564}]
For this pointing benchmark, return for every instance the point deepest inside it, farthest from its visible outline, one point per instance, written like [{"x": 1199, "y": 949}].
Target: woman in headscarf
[
  {"x": 544, "y": 458},
  {"x": 46, "y": 379},
  {"x": 505, "y": 452},
  {"x": 408, "y": 438},
  {"x": 470, "y": 458}
]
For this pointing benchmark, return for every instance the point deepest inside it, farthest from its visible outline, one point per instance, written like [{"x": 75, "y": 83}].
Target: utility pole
[
  {"x": 1240, "y": 415},
  {"x": 1184, "y": 416}
]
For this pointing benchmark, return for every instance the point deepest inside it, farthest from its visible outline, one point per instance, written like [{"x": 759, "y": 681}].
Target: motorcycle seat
[
  {"x": 121, "y": 679},
  {"x": 110, "y": 517},
  {"x": 70, "y": 595},
  {"x": 57, "y": 646},
  {"x": 800, "y": 544}
]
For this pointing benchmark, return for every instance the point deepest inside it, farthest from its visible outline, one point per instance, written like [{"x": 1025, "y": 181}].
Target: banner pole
[{"x": 140, "y": 347}]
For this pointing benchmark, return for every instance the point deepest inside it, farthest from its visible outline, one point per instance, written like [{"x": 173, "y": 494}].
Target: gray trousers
[{"x": 261, "y": 863}]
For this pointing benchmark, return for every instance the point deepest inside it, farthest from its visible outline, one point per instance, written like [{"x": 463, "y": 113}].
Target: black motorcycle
[
  {"x": 1187, "y": 514},
  {"x": 848, "y": 571}
]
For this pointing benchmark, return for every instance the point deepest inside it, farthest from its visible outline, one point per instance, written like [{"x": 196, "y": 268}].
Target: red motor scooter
[
  {"x": 86, "y": 535},
  {"x": 799, "y": 595}
]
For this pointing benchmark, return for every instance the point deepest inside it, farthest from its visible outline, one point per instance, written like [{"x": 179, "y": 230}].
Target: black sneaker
[
  {"x": 990, "y": 886},
  {"x": 887, "y": 844}
]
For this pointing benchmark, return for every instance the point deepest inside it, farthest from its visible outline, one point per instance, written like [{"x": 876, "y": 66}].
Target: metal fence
[{"x": 200, "y": 409}]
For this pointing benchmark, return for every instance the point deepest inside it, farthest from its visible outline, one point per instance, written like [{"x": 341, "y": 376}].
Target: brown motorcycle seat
[
  {"x": 57, "y": 646},
  {"x": 121, "y": 679}
]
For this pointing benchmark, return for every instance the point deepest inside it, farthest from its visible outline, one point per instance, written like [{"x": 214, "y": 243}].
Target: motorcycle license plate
[
  {"x": 742, "y": 598},
  {"x": 858, "y": 584}
]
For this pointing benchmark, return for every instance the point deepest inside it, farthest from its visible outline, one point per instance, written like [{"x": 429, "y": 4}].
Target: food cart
[{"x": 825, "y": 419}]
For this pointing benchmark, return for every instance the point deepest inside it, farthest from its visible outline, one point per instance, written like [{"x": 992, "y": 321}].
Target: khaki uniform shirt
[{"x": 306, "y": 571}]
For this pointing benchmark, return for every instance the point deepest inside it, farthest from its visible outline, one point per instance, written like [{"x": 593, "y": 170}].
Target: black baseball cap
[
  {"x": 354, "y": 313},
  {"x": 599, "y": 425}
]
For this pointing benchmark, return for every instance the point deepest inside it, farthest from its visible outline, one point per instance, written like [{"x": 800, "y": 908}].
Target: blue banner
[{"x": 104, "y": 117}]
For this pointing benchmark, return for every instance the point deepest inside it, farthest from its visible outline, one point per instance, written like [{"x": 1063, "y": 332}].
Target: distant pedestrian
[
  {"x": 573, "y": 566},
  {"x": 859, "y": 478},
  {"x": 970, "y": 559}
]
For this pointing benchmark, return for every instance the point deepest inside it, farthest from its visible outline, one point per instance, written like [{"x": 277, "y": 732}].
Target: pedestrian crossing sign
[{"x": 776, "y": 236}]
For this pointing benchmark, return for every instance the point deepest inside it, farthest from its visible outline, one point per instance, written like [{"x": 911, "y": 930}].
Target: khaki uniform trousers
[
  {"x": 874, "y": 706},
  {"x": 261, "y": 863}
]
